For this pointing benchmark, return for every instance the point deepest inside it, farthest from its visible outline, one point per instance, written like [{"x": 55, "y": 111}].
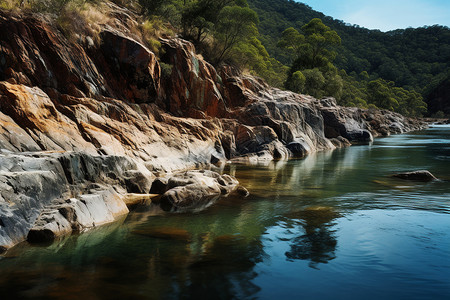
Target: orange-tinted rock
[
  {"x": 194, "y": 85},
  {"x": 33, "y": 52},
  {"x": 130, "y": 69}
]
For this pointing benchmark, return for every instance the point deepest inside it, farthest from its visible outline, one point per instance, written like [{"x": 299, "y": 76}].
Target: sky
[{"x": 385, "y": 14}]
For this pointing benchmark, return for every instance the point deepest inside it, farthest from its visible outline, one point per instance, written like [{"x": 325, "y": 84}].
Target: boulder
[
  {"x": 298, "y": 149},
  {"x": 76, "y": 215},
  {"x": 132, "y": 71},
  {"x": 54, "y": 193},
  {"x": 360, "y": 136},
  {"x": 348, "y": 122},
  {"x": 422, "y": 175},
  {"x": 196, "y": 189}
]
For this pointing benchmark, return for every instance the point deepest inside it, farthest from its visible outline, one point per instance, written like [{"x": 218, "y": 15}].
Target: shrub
[
  {"x": 166, "y": 69},
  {"x": 152, "y": 29}
]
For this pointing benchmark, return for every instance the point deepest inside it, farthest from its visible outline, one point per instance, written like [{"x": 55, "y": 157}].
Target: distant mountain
[{"x": 413, "y": 58}]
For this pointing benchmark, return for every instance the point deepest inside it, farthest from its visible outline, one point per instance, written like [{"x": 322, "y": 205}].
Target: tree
[
  {"x": 199, "y": 17},
  {"x": 314, "y": 82},
  {"x": 235, "y": 24},
  {"x": 151, "y": 6},
  {"x": 291, "y": 40},
  {"x": 380, "y": 94},
  {"x": 313, "y": 58},
  {"x": 251, "y": 54},
  {"x": 298, "y": 82}
]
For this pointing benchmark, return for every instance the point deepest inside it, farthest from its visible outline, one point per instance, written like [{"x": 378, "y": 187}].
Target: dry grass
[
  {"x": 13, "y": 4},
  {"x": 80, "y": 21},
  {"x": 152, "y": 29}
]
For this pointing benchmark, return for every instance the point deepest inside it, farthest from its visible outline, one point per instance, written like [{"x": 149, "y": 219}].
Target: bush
[{"x": 166, "y": 70}]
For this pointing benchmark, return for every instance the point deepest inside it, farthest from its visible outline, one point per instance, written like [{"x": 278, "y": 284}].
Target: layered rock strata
[{"x": 82, "y": 125}]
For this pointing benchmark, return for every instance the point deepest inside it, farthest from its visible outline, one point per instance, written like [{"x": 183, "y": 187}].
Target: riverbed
[{"x": 334, "y": 225}]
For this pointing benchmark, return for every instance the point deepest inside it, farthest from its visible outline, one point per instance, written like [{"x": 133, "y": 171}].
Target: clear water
[{"x": 331, "y": 226}]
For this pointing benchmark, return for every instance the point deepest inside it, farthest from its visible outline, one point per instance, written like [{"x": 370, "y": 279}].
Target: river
[{"x": 334, "y": 225}]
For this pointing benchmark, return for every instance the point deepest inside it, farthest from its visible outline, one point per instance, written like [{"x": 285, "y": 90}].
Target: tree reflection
[
  {"x": 318, "y": 243},
  {"x": 224, "y": 270}
]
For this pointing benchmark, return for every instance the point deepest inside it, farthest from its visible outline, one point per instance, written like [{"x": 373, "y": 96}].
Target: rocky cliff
[{"x": 86, "y": 127}]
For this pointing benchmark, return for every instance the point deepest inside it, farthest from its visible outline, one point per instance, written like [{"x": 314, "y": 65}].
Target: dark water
[{"x": 331, "y": 226}]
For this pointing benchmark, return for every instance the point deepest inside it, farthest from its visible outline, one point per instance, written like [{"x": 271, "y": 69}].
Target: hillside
[{"x": 412, "y": 58}]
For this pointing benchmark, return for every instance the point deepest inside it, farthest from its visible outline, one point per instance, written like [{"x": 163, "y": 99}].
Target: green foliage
[
  {"x": 235, "y": 25},
  {"x": 298, "y": 81},
  {"x": 315, "y": 48},
  {"x": 166, "y": 69},
  {"x": 313, "y": 53},
  {"x": 252, "y": 55},
  {"x": 415, "y": 59},
  {"x": 314, "y": 73},
  {"x": 439, "y": 114},
  {"x": 314, "y": 82},
  {"x": 11, "y": 4},
  {"x": 199, "y": 17},
  {"x": 151, "y": 6},
  {"x": 291, "y": 40},
  {"x": 382, "y": 94},
  {"x": 152, "y": 29}
]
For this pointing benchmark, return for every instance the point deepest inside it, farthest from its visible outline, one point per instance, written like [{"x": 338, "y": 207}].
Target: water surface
[{"x": 331, "y": 226}]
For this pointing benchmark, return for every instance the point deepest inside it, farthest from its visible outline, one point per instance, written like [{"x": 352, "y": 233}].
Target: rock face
[
  {"x": 52, "y": 193},
  {"x": 360, "y": 126},
  {"x": 421, "y": 175},
  {"x": 82, "y": 125}
]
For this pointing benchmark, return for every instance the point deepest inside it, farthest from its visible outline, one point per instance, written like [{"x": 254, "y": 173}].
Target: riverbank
[
  {"x": 333, "y": 224},
  {"x": 84, "y": 125}
]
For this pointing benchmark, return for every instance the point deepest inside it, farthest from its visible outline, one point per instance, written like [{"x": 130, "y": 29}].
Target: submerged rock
[
  {"x": 167, "y": 233},
  {"x": 422, "y": 175},
  {"x": 242, "y": 191}
]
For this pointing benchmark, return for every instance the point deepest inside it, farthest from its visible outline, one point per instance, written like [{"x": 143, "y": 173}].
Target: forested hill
[
  {"x": 416, "y": 59},
  {"x": 288, "y": 44}
]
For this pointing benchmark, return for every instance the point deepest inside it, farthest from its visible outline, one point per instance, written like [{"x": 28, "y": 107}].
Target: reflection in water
[
  {"x": 332, "y": 225},
  {"x": 225, "y": 269},
  {"x": 318, "y": 243},
  {"x": 162, "y": 256}
]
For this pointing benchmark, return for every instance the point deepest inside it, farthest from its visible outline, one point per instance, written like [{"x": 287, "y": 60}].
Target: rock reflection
[
  {"x": 321, "y": 174},
  {"x": 136, "y": 260},
  {"x": 318, "y": 243}
]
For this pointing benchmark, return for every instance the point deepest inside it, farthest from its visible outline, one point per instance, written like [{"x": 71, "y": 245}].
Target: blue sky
[{"x": 385, "y": 14}]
